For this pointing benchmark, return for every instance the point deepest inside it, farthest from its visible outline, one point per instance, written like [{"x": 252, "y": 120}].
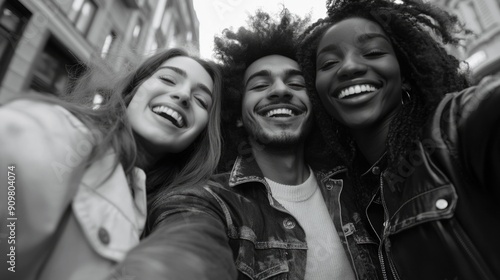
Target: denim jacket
[{"x": 265, "y": 239}]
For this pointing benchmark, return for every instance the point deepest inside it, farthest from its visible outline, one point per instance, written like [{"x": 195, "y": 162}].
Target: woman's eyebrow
[
  {"x": 328, "y": 48},
  {"x": 175, "y": 69},
  {"x": 184, "y": 74},
  {"x": 363, "y": 38}
]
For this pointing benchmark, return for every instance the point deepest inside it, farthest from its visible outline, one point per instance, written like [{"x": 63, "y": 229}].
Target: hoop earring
[
  {"x": 239, "y": 123},
  {"x": 408, "y": 96}
]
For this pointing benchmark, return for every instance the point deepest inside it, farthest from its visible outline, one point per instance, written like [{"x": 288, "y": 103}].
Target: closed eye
[
  {"x": 167, "y": 80},
  {"x": 203, "y": 101},
  {"x": 259, "y": 87},
  {"x": 375, "y": 53},
  {"x": 328, "y": 64},
  {"x": 296, "y": 85}
]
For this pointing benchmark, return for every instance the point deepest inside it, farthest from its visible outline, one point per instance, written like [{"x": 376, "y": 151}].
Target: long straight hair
[{"x": 110, "y": 126}]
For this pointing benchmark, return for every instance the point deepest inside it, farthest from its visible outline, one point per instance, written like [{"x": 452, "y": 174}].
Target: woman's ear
[
  {"x": 405, "y": 83},
  {"x": 239, "y": 123},
  {"x": 406, "y": 86}
]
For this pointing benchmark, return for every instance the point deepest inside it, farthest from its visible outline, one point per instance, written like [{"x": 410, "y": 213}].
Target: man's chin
[{"x": 279, "y": 142}]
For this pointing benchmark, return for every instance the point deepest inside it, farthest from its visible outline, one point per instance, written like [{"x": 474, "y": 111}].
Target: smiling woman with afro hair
[
  {"x": 421, "y": 146},
  {"x": 429, "y": 71}
]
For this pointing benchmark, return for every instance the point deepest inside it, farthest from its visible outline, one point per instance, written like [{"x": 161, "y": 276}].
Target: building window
[
  {"x": 136, "y": 33},
  {"x": 477, "y": 15},
  {"x": 80, "y": 12},
  {"x": 55, "y": 69},
  {"x": 13, "y": 19},
  {"x": 108, "y": 44}
]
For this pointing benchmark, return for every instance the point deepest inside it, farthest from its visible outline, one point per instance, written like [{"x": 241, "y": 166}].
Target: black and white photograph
[{"x": 249, "y": 140}]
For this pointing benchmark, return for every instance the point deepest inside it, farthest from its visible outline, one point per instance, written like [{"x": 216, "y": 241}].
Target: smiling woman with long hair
[{"x": 81, "y": 172}]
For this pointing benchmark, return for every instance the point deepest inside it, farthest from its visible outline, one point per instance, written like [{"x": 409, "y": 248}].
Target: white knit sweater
[{"x": 326, "y": 258}]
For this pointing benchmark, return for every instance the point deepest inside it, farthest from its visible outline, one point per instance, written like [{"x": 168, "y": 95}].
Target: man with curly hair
[
  {"x": 269, "y": 132},
  {"x": 279, "y": 218}
]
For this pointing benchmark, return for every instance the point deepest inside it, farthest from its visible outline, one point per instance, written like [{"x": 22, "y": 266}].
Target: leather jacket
[
  {"x": 265, "y": 240},
  {"x": 441, "y": 219}
]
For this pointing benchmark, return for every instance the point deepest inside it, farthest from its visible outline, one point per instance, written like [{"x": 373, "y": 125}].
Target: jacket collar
[
  {"x": 323, "y": 175},
  {"x": 246, "y": 169}
]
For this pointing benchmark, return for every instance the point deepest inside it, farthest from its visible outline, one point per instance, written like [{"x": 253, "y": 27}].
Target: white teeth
[
  {"x": 280, "y": 111},
  {"x": 174, "y": 114},
  {"x": 356, "y": 90}
]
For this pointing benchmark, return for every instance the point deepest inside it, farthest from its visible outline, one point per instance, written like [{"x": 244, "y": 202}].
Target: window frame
[
  {"x": 74, "y": 22},
  {"x": 24, "y": 16}
]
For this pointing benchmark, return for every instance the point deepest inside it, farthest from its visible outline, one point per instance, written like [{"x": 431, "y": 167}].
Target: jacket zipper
[
  {"x": 392, "y": 267},
  {"x": 379, "y": 253},
  {"x": 384, "y": 236},
  {"x": 382, "y": 265},
  {"x": 380, "y": 247}
]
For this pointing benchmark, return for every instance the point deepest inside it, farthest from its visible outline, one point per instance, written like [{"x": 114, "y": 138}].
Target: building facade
[
  {"x": 483, "y": 18},
  {"x": 44, "y": 42}
]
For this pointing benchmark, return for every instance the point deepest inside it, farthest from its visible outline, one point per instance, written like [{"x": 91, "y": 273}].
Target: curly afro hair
[
  {"x": 418, "y": 31},
  {"x": 264, "y": 36}
]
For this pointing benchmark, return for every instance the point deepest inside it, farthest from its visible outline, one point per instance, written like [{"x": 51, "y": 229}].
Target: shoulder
[
  {"x": 207, "y": 199},
  {"x": 212, "y": 195},
  {"x": 220, "y": 180},
  {"x": 217, "y": 183}
]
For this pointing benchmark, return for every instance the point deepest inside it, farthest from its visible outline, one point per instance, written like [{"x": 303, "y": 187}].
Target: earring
[
  {"x": 239, "y": 123},
  {"x": 408, "y": 96}
]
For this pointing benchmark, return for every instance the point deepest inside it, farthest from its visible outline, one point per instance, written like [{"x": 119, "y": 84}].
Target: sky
[{"x": 216, "y": 15}]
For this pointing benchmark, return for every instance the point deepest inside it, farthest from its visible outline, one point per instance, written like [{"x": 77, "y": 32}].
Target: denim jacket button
[
  {"x": 441, "y": 204},
  {"x": 288, "y": 223},
  {"x": 376, "y": 170},
  {"x": 103, "y": 236}
]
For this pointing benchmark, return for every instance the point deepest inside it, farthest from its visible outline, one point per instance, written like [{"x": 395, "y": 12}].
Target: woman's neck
[
  {"x": 371, "y": 141},
  {"x": 145, "y": 158}
]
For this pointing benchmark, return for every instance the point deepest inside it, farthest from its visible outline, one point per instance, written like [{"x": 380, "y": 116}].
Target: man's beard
[{"x": 282, "y": 141}]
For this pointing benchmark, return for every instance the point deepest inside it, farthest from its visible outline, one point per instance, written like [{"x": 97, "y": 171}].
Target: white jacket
[{"x": 48, "y": 147}]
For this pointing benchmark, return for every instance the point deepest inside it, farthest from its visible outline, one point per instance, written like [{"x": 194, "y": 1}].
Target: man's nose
[{"x": 280, "y": 90}]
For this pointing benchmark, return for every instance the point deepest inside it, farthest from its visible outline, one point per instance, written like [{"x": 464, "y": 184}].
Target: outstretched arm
[
  {"x": 479, "y": 132},
  {"x": 40, "y": 143},
  {"x": 188, "y": 244}
]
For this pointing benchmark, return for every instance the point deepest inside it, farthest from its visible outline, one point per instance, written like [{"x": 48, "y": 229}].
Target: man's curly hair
[
  {"x": 264, "y": 36},
  {"x": 418, "y": 32}
]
